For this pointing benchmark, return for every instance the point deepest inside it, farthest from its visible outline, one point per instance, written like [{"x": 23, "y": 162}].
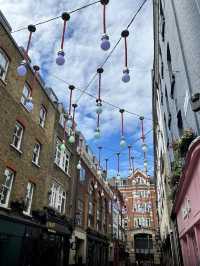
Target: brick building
[
  {"x": 141, "y": 220},
  {"x": 94, "y": 203},
  {"x": 35, "y": 177}
]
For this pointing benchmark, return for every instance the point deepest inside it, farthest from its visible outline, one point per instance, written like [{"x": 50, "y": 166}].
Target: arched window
[{"x": 4, "y": 62}]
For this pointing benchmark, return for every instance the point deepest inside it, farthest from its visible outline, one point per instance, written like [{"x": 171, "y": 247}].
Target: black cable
[
  {"x": 92, "y": 96},
  {"x": 57, "y": 17}
]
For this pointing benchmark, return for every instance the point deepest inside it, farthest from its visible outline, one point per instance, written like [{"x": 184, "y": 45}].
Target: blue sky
[{"x": 83, "y": 56}]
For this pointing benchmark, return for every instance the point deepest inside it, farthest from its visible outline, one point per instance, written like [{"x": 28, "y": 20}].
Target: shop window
[
  {"x": 57, "y": 198},
  {"x": 43, "y": 114},
  {"x": 61, "y": 157},
  {"x": 4, "y": 62},
  {"x": 36, "y": 153},
  {"x": 28, "y": 197},
  {"x": 6, "y": 186},
  {"x": 17, "y": 136}
]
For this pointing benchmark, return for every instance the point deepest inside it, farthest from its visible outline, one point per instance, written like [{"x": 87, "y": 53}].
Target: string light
[
  {"x": 60, "y": 60},
  {"x": 118, "y": 168},
  {"x": 98, "y": 100},
  {"x": 69, "y": 119},
  {"x": 122, "y": 140},
  {"x": 126, "y": 76},
  {"x": 80, "y": 153},
  {"x": 129, "y": 159},
  {"x": 21, "y": 69},
  {"x": 99, "y": 167},
  {"x": 105, "y": 43},
  {"x": 72, "y": 133}
]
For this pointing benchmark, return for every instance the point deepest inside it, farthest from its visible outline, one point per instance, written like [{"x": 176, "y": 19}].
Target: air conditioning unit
[{"x": 195, "y": 102}]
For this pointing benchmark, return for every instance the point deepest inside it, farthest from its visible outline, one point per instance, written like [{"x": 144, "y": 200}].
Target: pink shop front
[{"x": 187, "y": 207}]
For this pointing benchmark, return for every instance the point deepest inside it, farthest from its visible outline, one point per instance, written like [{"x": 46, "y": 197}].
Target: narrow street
[{"x": 100, "y": 133}]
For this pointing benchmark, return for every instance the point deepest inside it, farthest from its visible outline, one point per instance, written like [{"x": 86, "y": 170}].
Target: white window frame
[
  {"x": 29, "y": 197},
  {"x": 62, "y": 157},
  {"x": 3, "y": 69},
  {"x": 25, "y": 96},
  {"x": 8, "y": 173},
  {"x": 57, "y": 198},
  {"x": 42, "y": 116},
  {"x": 36, "y": 152},
  {"x": 17, "y": 136}
]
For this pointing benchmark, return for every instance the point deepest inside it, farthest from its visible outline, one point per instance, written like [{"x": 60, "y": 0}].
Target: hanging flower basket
[{"x": 185, "y": 141}]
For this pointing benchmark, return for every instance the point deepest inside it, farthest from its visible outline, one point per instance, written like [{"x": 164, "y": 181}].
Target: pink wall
[{"x": 187, "y": 207}]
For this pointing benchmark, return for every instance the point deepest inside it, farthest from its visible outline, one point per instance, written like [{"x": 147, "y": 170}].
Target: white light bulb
[
  {"x": 71, "y": 139},
  {"x": 122, "y": 142},
  {"x": 144, "y": 147},
  {"x": 96, "y": 186},
  {"x": 126, "y": 76},
  {"x": 98, "y": 172},
  {"x": 97, "y": 134},
  {"x": 130, "y": 171},
  {"x": 99, "y": 108},
  {"x": 69, "y": 122},
  {"x": 60, "y": 60},
  {"x": 21, "y": 70},
  {"x": 118, "y": 175},
  {"x": 102, "y": 193},
  {"x": 79, "y": 165},
  {"x": 105, "y": 44},
  {"x": 62, "y": 147},
  {"x": 145, "y": 163}
]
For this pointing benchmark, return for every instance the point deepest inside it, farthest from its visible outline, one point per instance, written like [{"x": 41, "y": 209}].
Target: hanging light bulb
[
  {"x": 99, "y": 108},
  {"x": 126, "y": 76},
  {"x": 97, "y": 133},
  {"x": 21, "y": 69},
  {"x": 114, "y": 197},
  {"x": 99, "y": 172},
  {"x": 105, "y": 43},
  {"x": 71, "y": 139},
  {"x": 144, "y": 147},
  {"x": 69, "y": 122},
  {"x": 145, "y": 163},
  {"x": 102, "y": 193},
  {"x": 29, "y": 104},
  {"x": 79, "y": 165},
  {"x": 122, "y": 142},
  {"x": 96, "y": 186},
  {"x": 62, "y": 146},
  {"x": 118, "y": 175},
  {"x": 130, "y": 171},
  {"x": 60, "y": 60}
]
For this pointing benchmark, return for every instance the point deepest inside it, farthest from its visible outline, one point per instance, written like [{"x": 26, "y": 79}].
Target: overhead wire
[
  {"x": 56, "y": 17},
  {"x": 113, "y": 49}
]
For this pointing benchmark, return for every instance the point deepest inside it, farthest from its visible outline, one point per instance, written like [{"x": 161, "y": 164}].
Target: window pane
[{"x": 6, "y": 187}]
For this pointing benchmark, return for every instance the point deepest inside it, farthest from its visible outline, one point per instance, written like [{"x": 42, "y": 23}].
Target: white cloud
[{"x": 83, "y": 56}]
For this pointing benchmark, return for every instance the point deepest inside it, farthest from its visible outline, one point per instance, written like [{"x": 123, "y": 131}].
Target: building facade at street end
[
  {"x": 141, "y": 220},
  {"x": 176, "y": 105}
]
